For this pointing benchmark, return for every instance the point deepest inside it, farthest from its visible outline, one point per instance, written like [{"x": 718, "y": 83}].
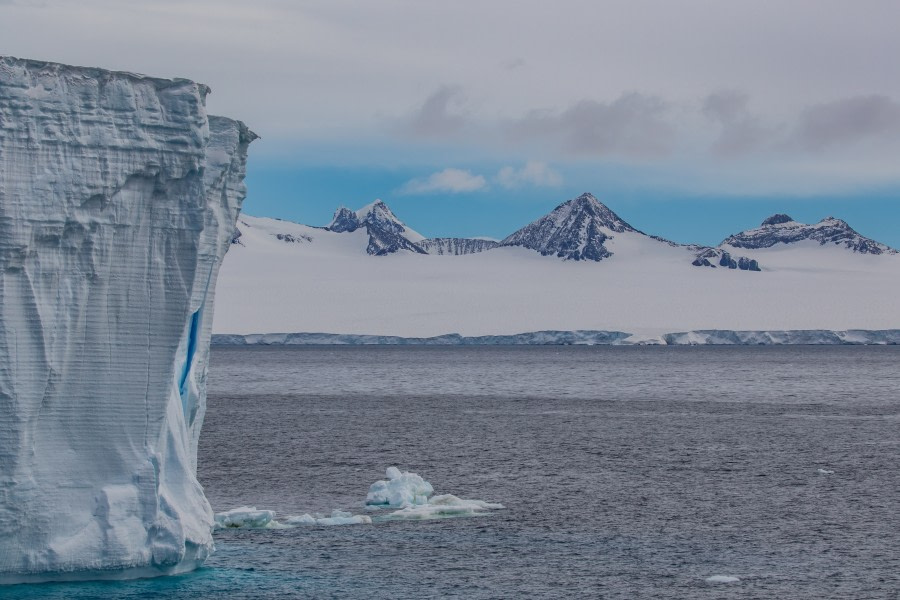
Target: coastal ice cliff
[{"x": 118, "y": 200}]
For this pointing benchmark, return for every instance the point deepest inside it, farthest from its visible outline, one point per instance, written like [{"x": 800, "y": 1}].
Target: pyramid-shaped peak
[
  {"x": 575, "y": 230},
  {"x": 777, "y": 219},
  {"x": 587, "y": 206}
]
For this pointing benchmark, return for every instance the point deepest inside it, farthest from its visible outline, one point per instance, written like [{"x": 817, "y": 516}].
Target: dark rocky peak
[
  {"x": 380, "y": 216},
  {"x": 588, "y": 205},
  {"x": 344, "y": 220},
  {"x": 574, "y": 230},
  {"x": 777, "y": 219}
]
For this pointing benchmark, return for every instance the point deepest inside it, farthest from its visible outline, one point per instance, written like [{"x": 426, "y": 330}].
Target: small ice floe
[
  {"x": 414, "y": 498},
  {"x": 442, "y": 507},
  {"x": 251, "y": 518},
  {"x": 338, "y": 517},
  {"x": 722, "y": 579},
  {"x": 411, "y": 497},
  {"x": 825, "y": 472},
  {"x": 245, "y": 516}
]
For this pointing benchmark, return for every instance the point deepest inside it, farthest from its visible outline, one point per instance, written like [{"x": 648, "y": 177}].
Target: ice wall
[{"x": 118, "y": 200}]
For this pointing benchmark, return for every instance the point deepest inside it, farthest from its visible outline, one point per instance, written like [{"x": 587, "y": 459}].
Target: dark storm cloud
[
  {"x": 633, "y": 125},
  {"x": 439, "y": 115},
  {"x": 847, "y": 121},
  {"x": 740, "y": 131}
]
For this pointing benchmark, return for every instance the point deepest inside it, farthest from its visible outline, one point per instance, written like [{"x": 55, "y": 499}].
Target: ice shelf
[{"x": 118, "y": 200}]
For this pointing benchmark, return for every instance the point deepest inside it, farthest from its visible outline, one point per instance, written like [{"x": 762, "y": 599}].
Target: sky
[{"x": 691, "y": 119}]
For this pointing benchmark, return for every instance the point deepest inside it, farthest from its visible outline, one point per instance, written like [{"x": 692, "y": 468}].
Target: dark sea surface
[{"x": 626, "y": 472}]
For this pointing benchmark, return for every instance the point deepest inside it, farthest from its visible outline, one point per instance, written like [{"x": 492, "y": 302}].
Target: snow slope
[{"x": 647, "y": 287}]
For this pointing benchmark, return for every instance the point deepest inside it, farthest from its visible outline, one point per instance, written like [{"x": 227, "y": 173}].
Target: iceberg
[
  {"x": 414, "y": 499},
  {"x": 118, "y": 200},
  {"x": 399, "y": 490}
]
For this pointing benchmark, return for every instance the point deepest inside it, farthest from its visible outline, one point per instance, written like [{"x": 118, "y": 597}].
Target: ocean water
[{"x": 626, "y": 472}]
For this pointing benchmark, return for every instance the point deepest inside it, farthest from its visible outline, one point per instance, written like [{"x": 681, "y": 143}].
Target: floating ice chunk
[
  {"x": 413, "y": 496},
  {"x": 246, "y": 516},
  {"x": 722, "y": 579},
  {"x": 339, "y": 517},
  {"x": 306, "y": 519},
  {"x": 408, "y": 492},
  {"x": 442, "y": 507},
  {"x": 400, "y": 490},
  {"x": 825, "y": 472}
]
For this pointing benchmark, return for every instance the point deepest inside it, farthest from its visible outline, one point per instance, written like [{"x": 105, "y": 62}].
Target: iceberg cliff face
[{"x": 118, "y": 200}]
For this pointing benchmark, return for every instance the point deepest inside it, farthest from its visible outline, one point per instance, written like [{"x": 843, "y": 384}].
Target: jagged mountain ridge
[
  {"x": 782, "y": 229},
  {"x": 457, "y": 246},
  {"x": 387, "y": 233}
]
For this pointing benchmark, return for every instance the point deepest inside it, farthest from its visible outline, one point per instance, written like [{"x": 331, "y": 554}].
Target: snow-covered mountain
[
  {"x": 287, "y": 278},
  {"x": 584, "y": 229},
  {"x": 387, "y": 234},
  {"x": 575, "y": 230},
  {"x": 782, "y": 229}
]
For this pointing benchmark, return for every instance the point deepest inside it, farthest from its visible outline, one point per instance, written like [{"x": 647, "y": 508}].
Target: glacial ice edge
[
  {"x": 118, "y": 199},
  {"x": 700, "y": 337}
]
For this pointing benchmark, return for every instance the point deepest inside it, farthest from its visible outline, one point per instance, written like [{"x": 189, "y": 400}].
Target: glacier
[
  {"x": 648, "y": 288},
  {"x": 118, "y": 200}
]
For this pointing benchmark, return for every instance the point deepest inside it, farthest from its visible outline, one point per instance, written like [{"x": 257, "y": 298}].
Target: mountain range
[
  {"x": 580, "y": 228},
  {"x": 580, "y": 267}
]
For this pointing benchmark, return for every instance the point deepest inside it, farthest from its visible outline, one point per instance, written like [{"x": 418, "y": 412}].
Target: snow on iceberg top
[{"x": 92, "y": 73}]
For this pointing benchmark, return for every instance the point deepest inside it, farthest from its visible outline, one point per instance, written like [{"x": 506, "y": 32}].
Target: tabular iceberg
[{"x": 118, "y": 200}]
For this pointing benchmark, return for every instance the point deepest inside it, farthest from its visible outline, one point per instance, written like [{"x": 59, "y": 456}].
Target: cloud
[
  {"x": 741, "y": 132},
  {"x": 513, "y": 64},
  {"x": 847, "y": 121},
  {"x": 633, "y": 125},
  {"x": 438, "y": 116},
  {"x": 533, "y": 173},
  {"x": 454, "y": 181}
]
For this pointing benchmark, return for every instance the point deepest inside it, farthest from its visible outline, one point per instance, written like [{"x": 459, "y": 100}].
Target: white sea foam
[{"x": 825, "y": 472}]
